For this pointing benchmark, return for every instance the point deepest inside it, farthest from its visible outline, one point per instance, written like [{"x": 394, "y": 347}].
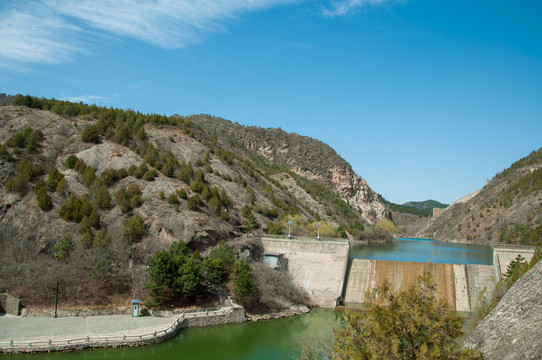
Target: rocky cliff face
[
  {"x": 513, "y": 330},
  {"x": 307, "y": 157}
]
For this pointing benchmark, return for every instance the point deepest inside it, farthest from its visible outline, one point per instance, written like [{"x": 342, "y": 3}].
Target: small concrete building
[{"x": 274, "y": 260}]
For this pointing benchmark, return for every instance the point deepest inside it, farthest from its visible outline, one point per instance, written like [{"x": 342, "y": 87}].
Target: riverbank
[{"x": 48, "y": 334}]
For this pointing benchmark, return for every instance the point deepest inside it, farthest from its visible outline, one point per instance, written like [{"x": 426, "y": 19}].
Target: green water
[{"x": 264, "y": 340}]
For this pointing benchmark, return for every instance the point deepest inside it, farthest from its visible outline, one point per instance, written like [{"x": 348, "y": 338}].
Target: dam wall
[
  {"x": 503, "y": 255},
  {"x": 458, "y": 284},
  {"x": 318, "y": 266}
]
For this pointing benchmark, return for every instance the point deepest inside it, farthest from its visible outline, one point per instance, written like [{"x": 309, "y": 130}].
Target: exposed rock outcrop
[
  {"x": 513, "y": 330},
  {"x": 306, "y": 157}
]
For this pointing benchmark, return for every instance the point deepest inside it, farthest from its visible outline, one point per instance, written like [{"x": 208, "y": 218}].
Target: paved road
[{"x": 40, "y": 328}]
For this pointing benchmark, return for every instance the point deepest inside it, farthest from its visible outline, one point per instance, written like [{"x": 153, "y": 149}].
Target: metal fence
[{"x": 105, "y": 340}]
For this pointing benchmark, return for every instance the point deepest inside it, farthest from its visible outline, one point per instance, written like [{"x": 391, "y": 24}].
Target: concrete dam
[{"x": 323, "y": 268}]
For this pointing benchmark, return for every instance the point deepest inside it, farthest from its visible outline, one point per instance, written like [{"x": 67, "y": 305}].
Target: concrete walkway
[{"x": 45, "y": 328}]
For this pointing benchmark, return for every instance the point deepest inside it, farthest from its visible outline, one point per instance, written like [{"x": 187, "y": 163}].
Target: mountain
[
  {"x": 507, "y": 210},
  {"x": 306, "y": 157},
  {"x": 89, "y": 193},
  {"x": 427, "y": 205}
]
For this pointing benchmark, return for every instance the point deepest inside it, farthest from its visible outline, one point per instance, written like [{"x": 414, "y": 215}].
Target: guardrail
[{"x": 105, "y": 341}]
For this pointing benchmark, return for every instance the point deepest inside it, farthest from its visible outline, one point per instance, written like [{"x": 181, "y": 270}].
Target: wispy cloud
[
  {"x": 52, "y": 31},
  {"x": 89, "y": 99},
  {"x": 344, "y": 7},
  {"x": 35, "y": 36}
]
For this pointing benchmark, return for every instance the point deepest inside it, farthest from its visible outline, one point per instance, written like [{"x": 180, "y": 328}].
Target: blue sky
[{"x": 426, "y": 99}]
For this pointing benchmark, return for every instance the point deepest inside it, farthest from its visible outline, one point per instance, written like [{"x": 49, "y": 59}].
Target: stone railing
[{"x": 225, "y": 315}]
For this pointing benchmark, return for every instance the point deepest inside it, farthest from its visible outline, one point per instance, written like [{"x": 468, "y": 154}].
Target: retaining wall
[{"x": 318, "y": 266}]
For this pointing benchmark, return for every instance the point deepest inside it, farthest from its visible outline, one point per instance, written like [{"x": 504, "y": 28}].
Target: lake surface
[
  {"x": 264, "y": 340},
  {"x": 424, "y": 250}
]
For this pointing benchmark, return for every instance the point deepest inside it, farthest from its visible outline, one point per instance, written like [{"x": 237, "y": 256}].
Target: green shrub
[
  {"x": 243, "y": 288},
  {"x": 16, "y": 140},
  {"x": 193, "y": 203},
  {"x": 18, "y": 184},
  {"x": 44, "y": 201},
  {"x": 102, "y": 269},
  {"x": 87, "y": 240},
  {"x": 136, "y": 201},
  {"x": 71, "y": 211},
  {"x": 63, "y": 248},
  {"x": 84, "y": 225},
  {"x": 90, "y": 134},
  {"x": 52, "y": 180},
  {"x": 94, "y": 219},
  {"x": 109, "y": 177},
  {"x": 182, "y": 194},
  {"x": 70, "y": 161},
  {"x": 134, "y": 228},
  {"x": 274, "y": 229},
  {"x": 102, "y": 199},
  {"x": 150, "y": 175},
  {"x": 132, "y": 169},
  {"x": 173, "y": 199},
  {"x": 101, "y": 240},
  {"x": 197, "y": 186},
  {"x": 62, "y": 187}
]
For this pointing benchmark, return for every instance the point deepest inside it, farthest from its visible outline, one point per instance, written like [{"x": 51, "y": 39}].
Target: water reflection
[{"x": 425, "y": 250}]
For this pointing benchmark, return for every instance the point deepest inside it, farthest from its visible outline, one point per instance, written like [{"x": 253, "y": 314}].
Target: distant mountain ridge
[{"x": 428, "y": 205}]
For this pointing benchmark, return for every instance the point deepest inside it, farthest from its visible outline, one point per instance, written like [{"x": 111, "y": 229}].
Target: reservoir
[
  {"x": 279, "y": 339},
  {"x": 264, "y": 340},
  {"x": 424, "y": 250}
]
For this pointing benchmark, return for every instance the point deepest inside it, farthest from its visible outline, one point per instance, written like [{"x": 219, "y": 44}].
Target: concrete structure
[
  {"x": 504, "y": 254},
  {"x": 318, "y": 266},
  {"x": 458, "y": 284}
]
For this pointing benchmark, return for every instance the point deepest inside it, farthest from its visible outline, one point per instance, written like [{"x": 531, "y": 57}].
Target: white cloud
[
  {"x": 88, "y": 99},
  {"x": 54, "y": 31},
  {"x": 51, "y": 31},
  {"x": 344, "y": 7},
  {"x": 37, "y": 36}
]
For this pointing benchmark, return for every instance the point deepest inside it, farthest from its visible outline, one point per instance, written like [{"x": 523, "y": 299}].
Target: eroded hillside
[{"x": 508, "y": 209}]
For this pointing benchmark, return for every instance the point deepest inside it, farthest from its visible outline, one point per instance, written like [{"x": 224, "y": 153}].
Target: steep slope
[
  {"x": 90, "y": 193},
  {"x": 508, "y": 209},
  {"x": 305, "y": 156},
  {"x": 514, "y": 328}
]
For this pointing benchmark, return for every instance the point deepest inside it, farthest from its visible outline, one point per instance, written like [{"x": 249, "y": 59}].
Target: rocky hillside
[
  {"x": 513, "y": 329},
  {"x": 507, "y": 210},
  {"x": 90, "y": 193},
  {"x": 306, "y": 157}
]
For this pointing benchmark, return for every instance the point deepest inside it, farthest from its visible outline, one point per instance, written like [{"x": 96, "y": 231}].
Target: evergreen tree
[
  {"x": 243, "y": 288},
  {"x": 411, "y": 324}
]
